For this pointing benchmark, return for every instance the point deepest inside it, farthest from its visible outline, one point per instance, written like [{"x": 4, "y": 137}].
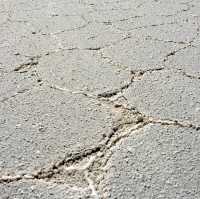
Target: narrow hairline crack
[
  {"x": 189, "y": 75},
  {"x": 135, "y": 75},
  {"x": 189, "y": 44},
  {"x": 166, "y": 41},
  {"x": 33, "y": 61},
  {"x": 15, "y": 94},
  {"x": 69, "y": 30},
  {"x": 145, "y": 26}
]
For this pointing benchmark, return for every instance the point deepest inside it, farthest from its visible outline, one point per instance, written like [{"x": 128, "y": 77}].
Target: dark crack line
[
  {"x": 33, "y": 61},
  {"x": 182, "y": 48},
  {"x": 110, "y": 22},
  {"x": 189, "y": 75},
  {"x": 166, "y": 41},
  {"x": 145, "y": 26},
  {"x": 180, "y": 11},
  {"x": 172, "y": 53},
  {"x": 14, "y": 95},
  {"x": 68, "y": 30},
  {"x": 135, "y": 75}
]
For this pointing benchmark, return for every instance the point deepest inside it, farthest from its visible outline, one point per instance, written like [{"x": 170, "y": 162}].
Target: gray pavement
[{"x": 99, "y": 99}]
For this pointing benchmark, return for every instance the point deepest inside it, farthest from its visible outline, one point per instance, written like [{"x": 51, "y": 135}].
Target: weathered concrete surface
[
  {"x": 43, "y": 190},
  {"x": 155, "y": 162},
  {"x": 99, "y": 99}
]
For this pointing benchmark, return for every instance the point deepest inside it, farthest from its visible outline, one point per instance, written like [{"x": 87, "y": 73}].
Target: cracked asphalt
[{"x": 99, "y": 99}]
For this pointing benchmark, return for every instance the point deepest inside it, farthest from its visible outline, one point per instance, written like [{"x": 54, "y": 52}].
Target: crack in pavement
[
  {"x": 135, "y": 75},
  {"x": 188, "y": 75},
  {"x": 33, "y": 61},
  {"x": 68, "y": 30},
  {"x": 189, "y": 44},
  {"x": 145, "y": 26},
  {"x": 180, "y": 11},
  {"x": 166, "y": 41},
  {"x": 14, "y": 95},
  {"x": 110, "y": 22},
  {"x": 38, "y": 81}
]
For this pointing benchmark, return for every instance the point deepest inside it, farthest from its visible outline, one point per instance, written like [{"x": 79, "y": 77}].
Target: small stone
[
  {"x": 28, "y": 176},
  {"x": 139, "y": 119},
  {"x": 39, "y": 80}
]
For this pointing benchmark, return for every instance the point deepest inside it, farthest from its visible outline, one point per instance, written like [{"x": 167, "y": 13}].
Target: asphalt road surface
[{"x": 99, "y": 99}]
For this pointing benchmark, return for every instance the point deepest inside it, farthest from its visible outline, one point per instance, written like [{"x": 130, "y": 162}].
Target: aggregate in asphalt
[{"x": 99, "y": 99}]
